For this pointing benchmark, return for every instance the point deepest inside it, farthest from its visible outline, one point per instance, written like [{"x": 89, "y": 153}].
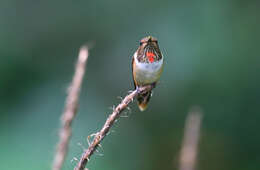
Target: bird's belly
[{"x": 148, "y": 73}]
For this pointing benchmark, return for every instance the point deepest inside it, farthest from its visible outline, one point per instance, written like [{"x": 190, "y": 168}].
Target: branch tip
[
  {"x": 112, "y": 118},
  {"x": 189, "y": 148},
  {"x": 70, "y": 109}
]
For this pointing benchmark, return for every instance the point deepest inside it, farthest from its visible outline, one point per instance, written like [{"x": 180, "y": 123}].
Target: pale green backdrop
[{"x": 211, "y": 51}]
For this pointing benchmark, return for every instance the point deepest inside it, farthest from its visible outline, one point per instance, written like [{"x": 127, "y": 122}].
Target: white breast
[{"x": 147, "y": 73}]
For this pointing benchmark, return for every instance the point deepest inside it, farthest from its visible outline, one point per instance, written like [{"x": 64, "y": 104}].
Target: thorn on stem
[
  {"x": 129, "y": 109},
  {"x": 130, "y": 91},
  {"x": 74, "y": 159},
  {"x": 120, "y": 98},
  {"x": 88, "y": 140},
  {"x": 125, "y": 114},
  {"x": 93, "y": 135},
  {"x": 112, "y": 107},
  {"x": 98, "y": 153},
  {"x": 110, "y": 132}
]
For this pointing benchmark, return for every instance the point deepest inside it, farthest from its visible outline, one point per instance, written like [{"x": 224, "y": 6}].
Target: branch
[
  {"x": 99, "y": 136},
  {"x": 191, "y": 139},
  {"x": 70, "y": 109}
]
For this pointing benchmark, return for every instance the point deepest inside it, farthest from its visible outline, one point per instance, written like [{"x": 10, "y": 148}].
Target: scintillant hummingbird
[{"x": 147, "y": 66}]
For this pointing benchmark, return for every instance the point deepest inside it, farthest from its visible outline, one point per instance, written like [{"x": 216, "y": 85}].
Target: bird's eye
[{"x": 141, "y": 43}]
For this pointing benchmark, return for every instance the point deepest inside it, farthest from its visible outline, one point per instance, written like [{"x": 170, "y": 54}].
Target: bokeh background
[{"x": 211, "y": 51}]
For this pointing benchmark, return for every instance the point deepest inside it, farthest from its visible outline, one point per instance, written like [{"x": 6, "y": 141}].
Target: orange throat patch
[{"x": 150, "y": 56}]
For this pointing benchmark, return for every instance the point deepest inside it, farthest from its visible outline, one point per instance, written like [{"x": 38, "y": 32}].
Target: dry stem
[
  {"x": 108, "y": 124},
  {"x": 70, "y": 109},
  {"x": 191, "y": 139}
]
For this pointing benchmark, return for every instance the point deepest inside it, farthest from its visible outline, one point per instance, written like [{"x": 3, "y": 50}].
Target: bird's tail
[{"x": 143, "y": 99}]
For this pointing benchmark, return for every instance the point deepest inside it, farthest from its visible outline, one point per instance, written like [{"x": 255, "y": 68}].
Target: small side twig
[
  {"x": 191, "y": 138},
  {"x": 99, "y": 136},
  {"x": 70, "y": 109}
]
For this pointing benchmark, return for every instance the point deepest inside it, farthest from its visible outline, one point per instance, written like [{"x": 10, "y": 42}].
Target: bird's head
[{"x": 148, "y": 50}]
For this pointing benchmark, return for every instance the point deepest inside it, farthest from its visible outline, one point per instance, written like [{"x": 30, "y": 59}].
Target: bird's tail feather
[{"x": 143, "y": 99}]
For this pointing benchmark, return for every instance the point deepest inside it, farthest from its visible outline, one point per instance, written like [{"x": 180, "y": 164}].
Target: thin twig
[
  {"x": 108, "y": 124},
  {"x": 191, "y": 139},
  {"x": 70, "y": 109}
]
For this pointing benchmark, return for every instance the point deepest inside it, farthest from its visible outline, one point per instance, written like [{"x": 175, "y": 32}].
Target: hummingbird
[{"x": 147, "y": 66}]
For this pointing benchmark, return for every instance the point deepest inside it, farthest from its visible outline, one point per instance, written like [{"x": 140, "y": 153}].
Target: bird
[{"x": 147, "y": 66}]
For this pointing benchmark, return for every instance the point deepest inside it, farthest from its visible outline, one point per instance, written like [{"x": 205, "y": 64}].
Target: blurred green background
[{"x": 211, "y": 51}]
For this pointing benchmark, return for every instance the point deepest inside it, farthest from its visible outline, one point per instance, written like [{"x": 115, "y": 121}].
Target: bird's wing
[{"x": 133, "y": 65}]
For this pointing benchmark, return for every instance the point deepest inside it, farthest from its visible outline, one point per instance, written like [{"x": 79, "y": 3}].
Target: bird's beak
[{"x": 149, "y": 39}]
